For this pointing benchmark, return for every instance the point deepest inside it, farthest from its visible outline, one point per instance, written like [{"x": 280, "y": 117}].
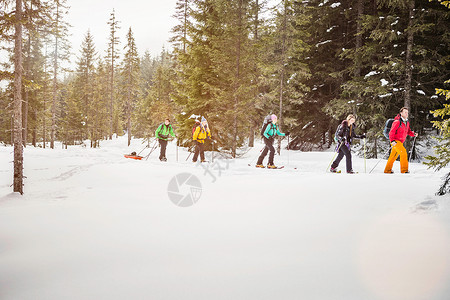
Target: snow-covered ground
[{"x": 95, "y": 225}]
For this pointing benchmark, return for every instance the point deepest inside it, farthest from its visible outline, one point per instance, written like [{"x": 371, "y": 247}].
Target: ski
[{"x": 338, "y": 172}]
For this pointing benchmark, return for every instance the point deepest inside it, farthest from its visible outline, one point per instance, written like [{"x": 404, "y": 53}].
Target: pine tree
[
  {"x": 197, "y": 77},
  {"x": 85, "y": 82},
  {"x": 38, "y": 80},
  {"x": 99, "y": 107},
  {"x": 61, "y": 48},
  {"x": 112, "y": 57},
  {"x": 287, "y": 69},
  {"x": 180, "y": 32},
  {"x": 130, "y": 76},
  {"x": 442, "y": 150},
  {"x": 232, "y": 55}
]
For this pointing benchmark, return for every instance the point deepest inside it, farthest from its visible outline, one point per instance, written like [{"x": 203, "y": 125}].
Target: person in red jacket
[{"x": 399, "y": 130}]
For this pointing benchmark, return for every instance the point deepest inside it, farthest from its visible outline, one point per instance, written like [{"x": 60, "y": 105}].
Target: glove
[
  {"x": 287, "y": 133},
  {"x": 363, "y": 136}
]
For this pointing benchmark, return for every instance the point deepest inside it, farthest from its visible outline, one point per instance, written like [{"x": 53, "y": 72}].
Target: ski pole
[
  {"x": 177, "y": 149},
  {"x": 256, "y": 156},
  {"x": 365, "y": 165},
  {"x": 152, "y": 149},
  {"x": 146, "y": 146},
  {"x": 190, "y": 152},
  {"x": 384, "y": 155},
  {"x": 412, "y": 148},
  {"x": 212, "y": 152},
  {"x": 337, "y": 151},
  {"x": 288, "y": 150},
  {"x": 142, "y": 150}
]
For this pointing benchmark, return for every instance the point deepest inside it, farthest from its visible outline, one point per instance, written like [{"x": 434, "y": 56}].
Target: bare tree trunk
[
  {"x": 33, "y": 131},
  {"x": 111, "y": 101},
  {"x": 18, "y": 147},
  {"x": 129, "y": 108},
  {"x": 360, "y": 11},
  {"x": 238, "y": 74},
  {"x": 283, "y": 54},
  {"x": 185, "y": 25},
  {"x": 409, "y": 48},
  {"x": 251, "y": 139},
  {"x": 26, "y": 98},
  {"x": 55, "y": 89},
  {"x": 55, "y": 84}
]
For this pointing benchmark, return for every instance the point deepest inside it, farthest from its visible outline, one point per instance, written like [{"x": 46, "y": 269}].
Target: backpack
[
  {"x": 387, "y": 128},
  {"x": 336, "y": 135},
  {"x": 193, "y": 128},
  {"x": 267, "y": 121},
  {"x": 164, "y": 136}
]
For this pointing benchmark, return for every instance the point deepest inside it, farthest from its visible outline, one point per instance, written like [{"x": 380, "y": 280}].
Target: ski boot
[
  {"x": 260, "y": 166},
  {"x": 271, "y": 166},
  {"x": 351, "y": 172}
]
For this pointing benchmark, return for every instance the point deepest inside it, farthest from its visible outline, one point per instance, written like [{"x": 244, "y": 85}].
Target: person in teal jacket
[
  {"x": 162, "y": 134},
  {"x": 269, "y": 137}
]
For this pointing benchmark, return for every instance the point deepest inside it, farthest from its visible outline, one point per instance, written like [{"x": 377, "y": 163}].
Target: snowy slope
[{"x": 95, "y": 225}]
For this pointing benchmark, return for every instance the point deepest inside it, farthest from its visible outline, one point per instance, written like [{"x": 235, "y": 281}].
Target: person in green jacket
[
  {"x": 162, "y": 134},
  {"x": 269, "y": 137}
]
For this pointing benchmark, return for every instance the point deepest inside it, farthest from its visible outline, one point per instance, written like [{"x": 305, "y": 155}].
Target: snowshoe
[
  {"x": 274, "y": 167},
  {"x": 334, "y": 170}
]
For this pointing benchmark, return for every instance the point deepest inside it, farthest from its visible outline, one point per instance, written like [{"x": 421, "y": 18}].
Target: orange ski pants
[{"x": 397, "y": 150}]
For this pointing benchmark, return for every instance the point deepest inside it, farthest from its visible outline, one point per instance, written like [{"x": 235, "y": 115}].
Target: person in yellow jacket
[{"x": 201, "y": 133}]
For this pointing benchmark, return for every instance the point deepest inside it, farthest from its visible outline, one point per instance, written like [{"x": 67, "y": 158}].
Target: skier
[
  {"x": 269, "y": 137},
  {"x": 162, "y": 134},
  {"x": 397, "y": 136},
  {"x": 201, "y": 133},
  {"x": 345, "y": 133}
]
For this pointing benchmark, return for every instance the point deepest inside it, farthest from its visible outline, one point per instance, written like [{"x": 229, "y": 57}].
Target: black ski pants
[
  {"x": 267, "y": 148},
  {"x": 199, "y": 149},
  {"x": 343, "y": 150},
  {"x": 163, "y": 145}
]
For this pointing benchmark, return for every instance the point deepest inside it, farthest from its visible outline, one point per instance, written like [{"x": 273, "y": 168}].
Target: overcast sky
[{"x": 150, "y": 21}]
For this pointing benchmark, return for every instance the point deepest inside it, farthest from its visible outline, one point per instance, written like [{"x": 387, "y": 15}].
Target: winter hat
[
  {"x": 203, "y": 119},
  {"x": 273, "y": 118}
]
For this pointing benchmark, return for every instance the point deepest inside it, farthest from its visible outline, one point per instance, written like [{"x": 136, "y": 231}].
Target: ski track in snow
[{"x": 95, "y": 225}]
